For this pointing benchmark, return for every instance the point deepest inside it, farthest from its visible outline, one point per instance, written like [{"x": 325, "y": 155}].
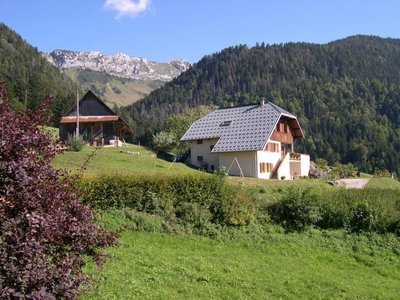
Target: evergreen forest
[
  {"x": 29, "y": 77},
  {"x": 346, "y": 94}
]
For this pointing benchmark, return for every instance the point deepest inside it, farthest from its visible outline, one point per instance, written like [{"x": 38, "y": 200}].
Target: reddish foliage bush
[{"x": 44, "y": 229}]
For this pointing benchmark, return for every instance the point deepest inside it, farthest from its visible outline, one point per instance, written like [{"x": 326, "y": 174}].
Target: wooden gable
[
  {"x": 91, "y": 105},
  {"x": 287, "y": 130}
]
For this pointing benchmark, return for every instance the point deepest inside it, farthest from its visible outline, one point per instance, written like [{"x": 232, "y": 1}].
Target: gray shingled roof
[{"x": 249, "y": 129}]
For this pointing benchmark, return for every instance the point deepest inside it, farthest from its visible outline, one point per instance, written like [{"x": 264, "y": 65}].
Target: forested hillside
[
  {"x": 346, "y": 93},
  {"x": 29, "y": 77}
]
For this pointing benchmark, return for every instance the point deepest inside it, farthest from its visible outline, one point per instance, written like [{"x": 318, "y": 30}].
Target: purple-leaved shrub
[{"x": 44, "y": 230}]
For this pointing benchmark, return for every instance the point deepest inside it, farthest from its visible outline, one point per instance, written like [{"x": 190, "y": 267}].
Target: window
[
  {"x": 285, "y": 128},
  {"x": 199, "y": 142},
  {"x": 211, "y": 147},
  {"x": 265, "y": 167},
  {"x": 200, "y": 158},
  {"x": 280, "y": 127},
  {"x": 225, "y": 123},
  {"x": 273, "y": 147},
  {"x": 212, "y": 167}
]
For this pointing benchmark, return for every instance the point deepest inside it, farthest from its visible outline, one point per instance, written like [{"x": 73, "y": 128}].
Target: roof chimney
[{"x": 262, "y": 103}]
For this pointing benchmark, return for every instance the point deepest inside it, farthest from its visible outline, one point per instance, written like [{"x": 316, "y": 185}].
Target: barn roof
[
  {"x": 91, "y": 105},
  {"x": 92, "y": 109},
  {"x": 243, "y": 128}
]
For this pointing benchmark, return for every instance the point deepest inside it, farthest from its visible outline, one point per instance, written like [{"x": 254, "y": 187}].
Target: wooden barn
[{"x": 98, "y": 124}]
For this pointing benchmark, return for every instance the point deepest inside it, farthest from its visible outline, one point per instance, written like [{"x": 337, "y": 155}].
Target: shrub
[
  {"x": 362, "y": 217},
  {"x": 44, "y": 229},
  {"x": 382, "y": 173},
  {"x": 297, "y": 209},
  {"x": 75, "y": 143},
  {"x": 222, "y": 172},
  {"x": 237, "y": 208},
  {"x": 343, "y": 170},
  {"x": 194, "y": 200},
  {"x": 365, "y": 209}
]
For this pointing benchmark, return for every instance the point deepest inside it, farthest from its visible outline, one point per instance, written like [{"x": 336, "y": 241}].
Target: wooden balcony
[{"x": 295, "y": 156}]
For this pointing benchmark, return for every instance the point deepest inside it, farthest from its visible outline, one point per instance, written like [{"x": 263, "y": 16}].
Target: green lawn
[
  {"x": 383, "y": 183},
  {"x": 317, "y": 264},
  {"x": 126, "y": 160}
]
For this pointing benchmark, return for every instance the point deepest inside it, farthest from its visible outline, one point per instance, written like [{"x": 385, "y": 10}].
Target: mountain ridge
[{"x": 120, "y": 65}]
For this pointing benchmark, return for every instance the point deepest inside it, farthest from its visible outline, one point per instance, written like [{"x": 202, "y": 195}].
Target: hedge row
[
  {"x": 191, "y": 199},
  {"x": 200, "y": 200},
  {"x": 357, "y": 210}
]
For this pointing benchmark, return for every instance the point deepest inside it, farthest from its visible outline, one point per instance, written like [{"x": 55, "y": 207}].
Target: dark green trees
[
  {"x": 346, "y": 94},
  {"x": 29, "y": 77}
]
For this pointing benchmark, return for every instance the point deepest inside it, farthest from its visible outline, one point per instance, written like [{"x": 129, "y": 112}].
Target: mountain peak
[{"x": 120, "y": 65}]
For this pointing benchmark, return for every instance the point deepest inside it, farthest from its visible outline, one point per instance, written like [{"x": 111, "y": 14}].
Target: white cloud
[{"x": 129, "y": 8}]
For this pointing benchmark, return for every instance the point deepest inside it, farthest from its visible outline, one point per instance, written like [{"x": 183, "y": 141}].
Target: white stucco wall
[
  {"x": 266, "y": 157},
  {"x": 305, "y": 164},
  {"x": 284, "y": 168},
  {"x": 301, "y": 167},
  {"x": 209, "y": 159},
  {"x": 247, "y": 161}
]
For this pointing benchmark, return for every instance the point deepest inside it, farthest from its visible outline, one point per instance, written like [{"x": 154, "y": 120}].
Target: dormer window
[{"x": 225, "y": 123}]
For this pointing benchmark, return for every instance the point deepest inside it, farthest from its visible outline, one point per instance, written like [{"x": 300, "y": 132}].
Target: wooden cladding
[
  {"x": 282, "y": 127},
  {"x": 283, "y": 132},
  {"x": 285, "y": 138}
]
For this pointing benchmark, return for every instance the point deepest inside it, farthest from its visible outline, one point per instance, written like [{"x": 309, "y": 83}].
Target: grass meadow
[
  {"x": 315, "y": 264},
  {"x": 126, "y": 160},
  {"x": 156, "y": 259}
]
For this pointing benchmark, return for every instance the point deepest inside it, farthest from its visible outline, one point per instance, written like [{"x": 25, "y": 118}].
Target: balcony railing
[{"x": 295, "y": 156}]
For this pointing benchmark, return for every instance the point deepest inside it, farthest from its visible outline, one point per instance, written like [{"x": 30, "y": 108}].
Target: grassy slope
[
  {"x": 306, "y": 265},
  {"x": 125, "y": 160},
  {"x": 313, "y": 265},
  {"x": 383, "y": 183},
  {"x": 130, "y": 91}
]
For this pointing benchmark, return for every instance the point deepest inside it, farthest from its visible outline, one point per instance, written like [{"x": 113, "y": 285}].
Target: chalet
[
  {"x": 251, "y": 141},
  {"x": 98, "y": 124}
]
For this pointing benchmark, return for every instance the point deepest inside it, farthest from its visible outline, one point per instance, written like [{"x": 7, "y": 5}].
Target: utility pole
[{"x": 77, "y": 114}]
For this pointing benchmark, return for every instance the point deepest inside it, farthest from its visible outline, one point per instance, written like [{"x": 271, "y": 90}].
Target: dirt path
[{"x": 353, "y": 183}]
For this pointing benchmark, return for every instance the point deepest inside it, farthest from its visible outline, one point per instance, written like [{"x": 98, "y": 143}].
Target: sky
[{"x": 162, "y": 30}]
